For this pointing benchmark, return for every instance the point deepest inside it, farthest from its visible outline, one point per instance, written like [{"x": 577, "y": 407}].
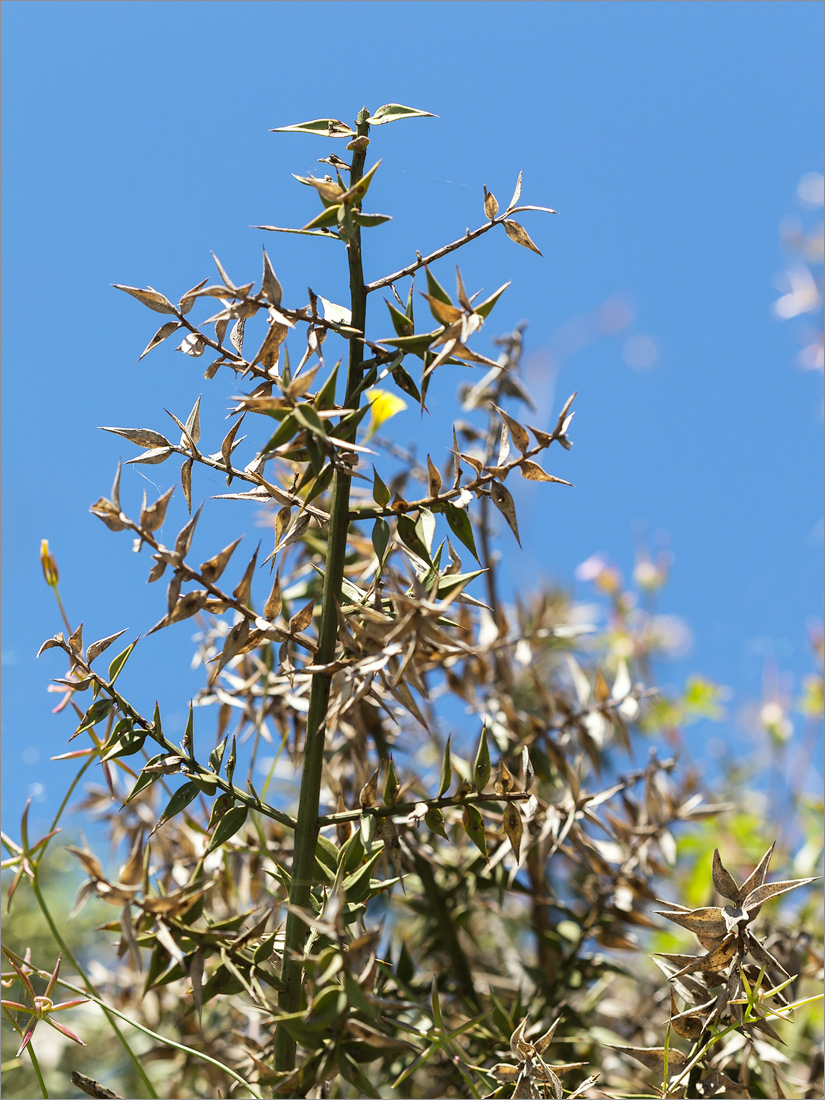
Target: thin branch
[
  {"x": 190, "y": 765},
  {"x": 470, "y": 235}
]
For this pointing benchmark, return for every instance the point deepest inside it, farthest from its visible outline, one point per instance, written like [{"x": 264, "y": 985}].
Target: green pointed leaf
[
  {"x": 96, "y": 713},
  {"x": 413, "y": 345},
  {"x": 228, "y": 825},
  {"x": 461, "y": 526},
  {"x": 369, "y": 221},
  {"x": 230, "y": 763},
  {"x": 446, "y": 771},
  {"x": 146, "y": 778},
  {"x": 287, "y": 431},
  {"x": 482, "y": 766},
  {"x": 435, "y": 289},
  {"x": 329, "y": 216},
  {"x": 484, "y": 308},
  {"x": 380, "y": 539},
  {"x": 400, "y": 322},
  {"x": 391, "y": 786},
  {"x": 216, "y": 756},
  {"x": 425, "y": 529},
  {"x": 434, "y": 820},
  {"x": 178, "y": 802},
  {"x": 380, "y": 492},
  {"x": 474, "y": 828},
  {"x": 325, "y": 398},
  {"x": 409, "y": 536},
  {"x": 116, "y": 666},
  {"x": 405, "y": 382},
  {"x": 357, "y": 885}
]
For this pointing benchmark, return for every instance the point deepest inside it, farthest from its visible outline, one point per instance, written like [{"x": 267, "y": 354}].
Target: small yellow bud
[{"x": 49, "y": 564}]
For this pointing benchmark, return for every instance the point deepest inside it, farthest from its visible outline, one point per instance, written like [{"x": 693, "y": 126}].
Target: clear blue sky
[{"x": 671, "y": 137}]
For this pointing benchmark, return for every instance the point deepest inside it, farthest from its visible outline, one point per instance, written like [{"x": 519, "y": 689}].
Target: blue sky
[{"x": 671, "y": 138}]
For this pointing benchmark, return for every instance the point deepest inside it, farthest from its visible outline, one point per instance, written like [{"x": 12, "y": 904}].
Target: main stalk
[{"x": 306, "y": 829}]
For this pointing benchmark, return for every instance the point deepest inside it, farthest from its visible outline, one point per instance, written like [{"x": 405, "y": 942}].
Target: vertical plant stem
[
  {"x": 38, "y": 1074},
  {"x": 306, "y": 829}
]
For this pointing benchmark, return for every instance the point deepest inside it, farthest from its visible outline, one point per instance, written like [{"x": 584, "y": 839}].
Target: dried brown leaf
[
  {"x": 517, "y": 432},
  {"x": 707, "y": 921},
  {"x": 504, "y": 502},
  {"x": 210, "y": 570},
  {"x": 533, "y": 472},
  {"x": 163, "y": 333},
  {"x": 366, "y": 799},
  {"x": 152, "y": 457},
  {"x": 186, "y": 482},
  {"x": 270, "y": 287},
  {"x": 654, "y": 1057},
  {"x": 142, "y": 437},
  {"x": 433, "y": 478},
  {"x": 152, "y": 517},
  {"x": 301, "y": 619},
  {"x": 520, "y": 235},
  {"x": 272, "y": 608},
  {"x": 513, "y": 827},
  {"x": 761, "y": 894},
  {"x": 96, "y": 648},
  {"x": 148, "y": 297},
  {"x": 490, "y": 204},
  {"x": 184, "y": 540},
  {"x": 244, "y": 588}
]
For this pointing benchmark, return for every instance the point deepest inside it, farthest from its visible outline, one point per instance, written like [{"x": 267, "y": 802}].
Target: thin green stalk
[
  {"x": 164, "y": 1038},
  {"x": 64, "y": 947},
  {"x": 38, "y": 1074},
  {"x": 306, "y": 828}
]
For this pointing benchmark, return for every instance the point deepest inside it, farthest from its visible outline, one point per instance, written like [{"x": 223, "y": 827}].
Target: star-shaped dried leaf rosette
[
  {"x": 725, "y": 934},
  {"x": 531, "y": 1076}
]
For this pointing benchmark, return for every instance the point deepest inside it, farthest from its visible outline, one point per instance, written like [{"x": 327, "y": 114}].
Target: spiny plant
[{"x": 393, "y": 919}]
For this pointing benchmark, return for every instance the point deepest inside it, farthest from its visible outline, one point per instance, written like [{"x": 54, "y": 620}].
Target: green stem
[
  {"x": 306, "y": 828},
  {"x": 36, "y": 1068},
  {"x": 64, "y": 947},
  {"x": 191, "y": 1051}
]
